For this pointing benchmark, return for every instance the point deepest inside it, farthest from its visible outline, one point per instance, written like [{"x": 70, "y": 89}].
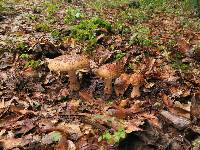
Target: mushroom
[
  {"x": 136, "y": 80},
  {"x": 121, "y": 84},
  {"x": 70, "y": 64},
  {"x": 108, "y": 72}
]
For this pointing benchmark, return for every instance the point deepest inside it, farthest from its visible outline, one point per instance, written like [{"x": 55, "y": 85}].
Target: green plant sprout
[
  {"x": 113, "y": 138},
  {"x": 72, "y": 14}
]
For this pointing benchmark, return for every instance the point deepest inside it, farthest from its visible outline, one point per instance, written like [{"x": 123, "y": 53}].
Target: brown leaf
[
  {"x": 185, "y": 107},
  {"x": 133, "y": 125},
  {"x": 28, "y": 125},
  {"x": 87, "y": 96},
  {"x": 123, "y": 103},
  {"x": 177, "y": 121},
  {"x": 136, "y": 107},
  {"x": 29, "y": 72},
  {"x": 69, "y": 42},
  {"x": 22, "y": 111},
  {"x": 100, "y": 37},
  {"x": 152, "y": 63},
  {"x": 151, "y": 118},
  {"x": 65, "y": 144},
  {"x": 73, "y": 105},
  {"x": 102, "y": 55},
  {"x": 10, "y": 143},
  {"x": 167, "y": 101},
  {"x": 183, "y": 45},
  {"x": 64, "y": 92},
  {"x": 180, "y": 112},
  {"x": 168, "y": 74},
  {"x": 195, "y": 107},
  {"x": 118, "y": 41}
]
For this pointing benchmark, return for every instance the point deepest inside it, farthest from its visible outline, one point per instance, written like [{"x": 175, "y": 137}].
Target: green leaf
[
  {"x": 100, "y": 139},
  {"x": 56, "y": 136}
]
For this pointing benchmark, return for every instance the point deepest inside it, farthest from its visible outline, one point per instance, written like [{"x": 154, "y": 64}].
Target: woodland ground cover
[{"x": 158, "y": 42}]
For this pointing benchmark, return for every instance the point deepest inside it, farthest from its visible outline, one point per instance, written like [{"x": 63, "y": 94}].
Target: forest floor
[{"x": 160, "y": 41}]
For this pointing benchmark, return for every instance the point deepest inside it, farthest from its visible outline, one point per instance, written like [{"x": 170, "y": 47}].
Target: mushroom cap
[
  {"x": 109, "y": 71},
  {"x": 67, "y": 63},
  {"x": 121, "y": 84},
  {"x": 136, "y": 79}
]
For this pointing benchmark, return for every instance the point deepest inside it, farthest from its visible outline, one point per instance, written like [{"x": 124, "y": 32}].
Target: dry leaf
[
  {"x": 136, "y": 107},
  {"x": 167, "y": 101},
  {"x": 87, "y": 96},
  {"x": 180, "y": 105},
  {"x": 151, "y": 118},
  {"x": 177, "y": 121},
  {"x": 123, "y": 103},
  {"x": 64, "y": 92},
  {"x": 183, "y": 46},
  {"x": 133, "y": 125}
]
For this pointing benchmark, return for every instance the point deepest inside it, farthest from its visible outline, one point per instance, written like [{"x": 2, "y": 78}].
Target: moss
[
  {"x": 42, "y": 27},
  {"x": 85, "y": 30},
  {"x": 72, "y": 14},
  {"x": 141, "y": 36}
]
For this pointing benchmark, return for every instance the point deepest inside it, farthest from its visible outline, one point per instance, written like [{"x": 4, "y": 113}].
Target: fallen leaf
[
  {"x": 180, "y": 105},
  {"x": 195, "y": 108},
  {"x": 87, "y": 96},
  {"x": 64, "y": 92},
  {"x": 136, "y": 107},
  {"x": 123, "y": 103},
  {"x": 177, "y": 121},
  {"x": 133, "y": 125},
  {"x": 151, "y": 118},
  {"x": 167, "y": 101},
  {"x": 183, "y": 46},
  {"x": 10, "y": 143}
]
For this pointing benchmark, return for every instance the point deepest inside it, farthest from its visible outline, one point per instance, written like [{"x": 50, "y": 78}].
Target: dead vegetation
[{"x": 83, "y": 75}]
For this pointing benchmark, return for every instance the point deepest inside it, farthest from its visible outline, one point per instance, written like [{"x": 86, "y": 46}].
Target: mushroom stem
[
  {"x": 108, "y": 86},
  {"x": 73, "y": 81},
  {"x": 135, "y": 91}
]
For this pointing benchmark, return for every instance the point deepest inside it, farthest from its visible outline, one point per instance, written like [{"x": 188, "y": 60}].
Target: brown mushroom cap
[
  {"x": 109, "y": 71},
  {"x": 121, "y": 84},
  {"x": 67, "y": 63},
  {"x": 136, "y": 79}
]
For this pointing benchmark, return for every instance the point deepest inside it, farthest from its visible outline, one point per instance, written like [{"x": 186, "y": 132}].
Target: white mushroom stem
[
  {"x": 74, "y": 85},
  {"x": 108, "y": 86},
  {"x": 135, "y": 91}
]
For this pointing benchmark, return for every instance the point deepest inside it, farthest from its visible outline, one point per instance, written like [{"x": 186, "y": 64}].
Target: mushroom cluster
[{"x": 72, "y": 63}]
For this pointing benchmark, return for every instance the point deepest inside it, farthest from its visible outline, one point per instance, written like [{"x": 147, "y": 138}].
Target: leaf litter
[{"x": 153, "y": 103}]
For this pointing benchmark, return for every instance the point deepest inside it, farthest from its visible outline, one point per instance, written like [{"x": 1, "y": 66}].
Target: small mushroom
[
  {"x": 136, "y": 80},
  {"x": 108, "y": 72},
  {"x": 121, "y": 84},
  {"x": 70, "y": 64}
]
